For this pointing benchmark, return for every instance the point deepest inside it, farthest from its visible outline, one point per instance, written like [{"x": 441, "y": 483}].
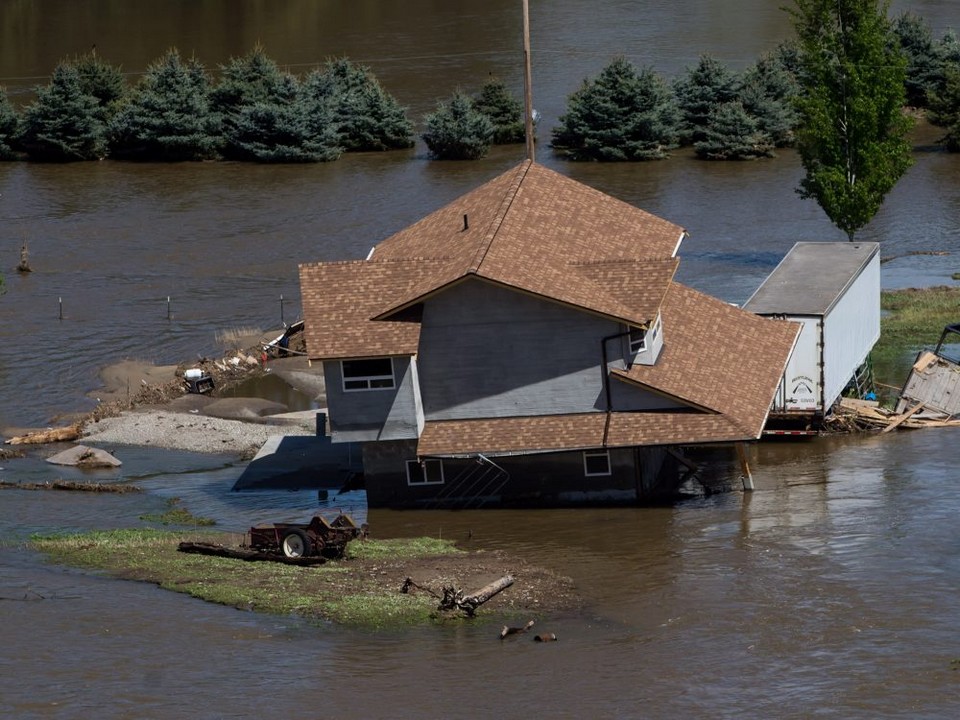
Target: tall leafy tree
[
  {"x": 504, "y": 110},
  {"x": 923, "y": 64},
  {"x": 65, "y": 123},
  {"x": 168, "y": 116},
  {"x": 852, "y": 133},
  {"x": 700, "y": 91},
  {"x": 456, "y": 130},
  {"x": 366, "y": 116},
  {"x": 622, "y": 114},
  {"x": 8, "y": 126}
]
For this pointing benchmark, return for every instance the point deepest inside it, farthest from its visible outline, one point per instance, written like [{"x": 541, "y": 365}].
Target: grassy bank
[
  {"x": 912, "y": 319},
  {"x": 349, "y": 591}
]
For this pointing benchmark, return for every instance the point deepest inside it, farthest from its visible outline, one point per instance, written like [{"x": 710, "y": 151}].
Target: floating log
[
  {"x": 201, "y": 548},
  {"x": 515, "y": 630},
  {"x": 40, "y": 437},
  {"x": 70, "y": 485}
]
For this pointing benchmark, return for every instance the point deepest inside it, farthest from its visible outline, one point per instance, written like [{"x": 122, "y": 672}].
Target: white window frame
[
  {"x": 367, "y": 380},
  {"x": 424, "y": 465},
  {"x": 637, "y": 344},
  {"x": 595, "y": 454}
]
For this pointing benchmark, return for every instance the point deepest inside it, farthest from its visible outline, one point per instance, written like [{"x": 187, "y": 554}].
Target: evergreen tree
[
  {"x": 923, "y": 64},
  {"x": 168, "y": 116},
  {"x": 457, "y": 131},
  {"x": 733, "y": 134},
  {"x": 944, "y": 108},
  {"x": 281, "y": 129},
  {"x": 699, "y": 91},
  {"x": 852, "y": 134},
  {"x": 101, "y": 80},
  {"x": 624, "y": 114},
  {"x": 366, "y": 116},
  {"x": 8, "y": 127},
  {"x": 503, "y": 110},
  {"x": 64, "y": 124},
  {"x": 767, "y": 93}
]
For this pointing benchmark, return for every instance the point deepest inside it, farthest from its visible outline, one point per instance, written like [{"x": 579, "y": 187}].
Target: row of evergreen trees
[{"x": 256, "y": 111}]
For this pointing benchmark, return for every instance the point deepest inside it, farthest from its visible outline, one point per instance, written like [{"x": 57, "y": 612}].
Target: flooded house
[{"x": 527, "y": 344}]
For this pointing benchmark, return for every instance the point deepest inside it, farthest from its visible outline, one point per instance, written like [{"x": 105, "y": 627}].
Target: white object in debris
[{"x": 193, "y": 374}]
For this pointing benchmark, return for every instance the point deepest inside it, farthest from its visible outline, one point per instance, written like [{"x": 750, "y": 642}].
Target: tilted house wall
[{"x": 527, "y": 344}]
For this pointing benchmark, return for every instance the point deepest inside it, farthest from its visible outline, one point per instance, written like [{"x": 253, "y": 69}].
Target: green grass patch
[
  {"x": 912, "y": 319},
  {"x": 352, "y": 592},
  {"x": 176, "y": 514}
]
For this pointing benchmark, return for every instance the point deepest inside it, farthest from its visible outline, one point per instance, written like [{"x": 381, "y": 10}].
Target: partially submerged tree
[
  {"x": 101, "y": 80},
  {"x": 8, "y": 127},
  {"x": 365, "y": 115},
  {"x": 923, "y": 64},
  {"x": 168, "y": 116},
  {"x": 623, "y": 114},
  {"x": 700, "y": 91},
  {"x": 457, "y": 131},
  {"x": 64, "y": 123},
  {"x": 733, "y": 134},
  {"x": 852, "y": 133},
  {"x": 944, "y": 108},
  {"x": 503, "y": 110},
  {"x": 767, "y": 93}
]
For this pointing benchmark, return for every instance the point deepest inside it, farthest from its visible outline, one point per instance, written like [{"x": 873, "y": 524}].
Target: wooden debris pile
[{"x": 851, "y": 414}]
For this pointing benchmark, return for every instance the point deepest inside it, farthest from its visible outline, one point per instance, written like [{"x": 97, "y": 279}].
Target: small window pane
[
  {"x": 427, "y": 472},
  {"x": 596, "y": 463}
]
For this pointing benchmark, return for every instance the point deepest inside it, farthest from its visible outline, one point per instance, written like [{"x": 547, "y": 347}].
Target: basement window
[
  {"x": 425, "y": 472},
  {"x": 367, "y": 374},
  {"x": 596, "y": 463}
]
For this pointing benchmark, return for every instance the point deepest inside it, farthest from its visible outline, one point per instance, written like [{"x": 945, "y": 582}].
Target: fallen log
[
  {"x": 40, "y": 437},
  {"x": 70, "y": 485},
  {"x": 201, "y": 548},
  {"x": 454, "y": 599}
]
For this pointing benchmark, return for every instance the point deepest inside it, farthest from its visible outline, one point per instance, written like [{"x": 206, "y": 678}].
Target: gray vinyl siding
[
  {"x": 488, "y": 351},
  {"x": 383, "y": 414}
]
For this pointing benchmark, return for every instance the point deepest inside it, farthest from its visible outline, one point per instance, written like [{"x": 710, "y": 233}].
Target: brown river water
[{"x": 830, "y": 591}]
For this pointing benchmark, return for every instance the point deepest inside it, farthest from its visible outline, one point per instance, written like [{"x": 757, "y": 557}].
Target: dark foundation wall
[{"x": 543, "y": 480}]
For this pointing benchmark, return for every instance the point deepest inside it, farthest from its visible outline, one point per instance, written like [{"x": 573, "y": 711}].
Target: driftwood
[
  {"x": 454, "y": 599},
  {"x": 60, "y": 434},
  {"x": 70, "y": 485},
  {"x": 506, "y": 631},
  {"x": 217, "y": 550}
]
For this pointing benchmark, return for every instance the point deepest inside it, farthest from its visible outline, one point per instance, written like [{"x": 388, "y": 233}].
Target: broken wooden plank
[
  {"x": 924, "y": 361},
  {"x": 901, "y": 418}
]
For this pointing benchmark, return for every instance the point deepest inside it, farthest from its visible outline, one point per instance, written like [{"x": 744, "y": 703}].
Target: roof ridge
[
  {"x": 499, "y": 217},
  {"x": 622, "y": 261}
]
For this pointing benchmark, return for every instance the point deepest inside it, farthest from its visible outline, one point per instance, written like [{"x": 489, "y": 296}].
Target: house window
[
  {"x": 638, "y": 340},
  {"x": 596, "y": 463},
  {"x": 425, "y": 472},
  {"x": 367, "y": 374}
]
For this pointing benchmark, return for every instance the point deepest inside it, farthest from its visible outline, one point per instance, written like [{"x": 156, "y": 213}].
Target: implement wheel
[{"x": 296, "y": 544}]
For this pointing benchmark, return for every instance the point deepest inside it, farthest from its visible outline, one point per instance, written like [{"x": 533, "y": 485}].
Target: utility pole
[{"x": 527, "y": 83}]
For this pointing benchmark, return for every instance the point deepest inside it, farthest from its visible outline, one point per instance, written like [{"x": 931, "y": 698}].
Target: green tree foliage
[
  {"x": 457, "y": 131},
  {"x": 101, "y": 80},
  {"x": 701, "y": 90},
  {"x": 733, "y": 134},
  {"x": 944, "y": 108},
  {"x": 283, "y": 129},
  {"x": 8, "y": 127},
  {"x": 503, "y": 110},
  {"x": 366, "y": 116},
  {"x": 266, "y": 116},
  {"x": 64, "y": 124},
  {"x": 623, "y": 114},
  {"x": 168, "y": 116},
  {"x": 767, "y": 93},
  {"x": 852, "y": 133},
  {"x": 923, "y": 63}
]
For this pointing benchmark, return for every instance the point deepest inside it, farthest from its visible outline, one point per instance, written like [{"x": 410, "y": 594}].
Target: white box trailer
[{"x": 833, "y": 290}]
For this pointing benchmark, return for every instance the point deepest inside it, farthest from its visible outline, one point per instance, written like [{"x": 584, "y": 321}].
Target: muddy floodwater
[{"x": 830, "y": 591}]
